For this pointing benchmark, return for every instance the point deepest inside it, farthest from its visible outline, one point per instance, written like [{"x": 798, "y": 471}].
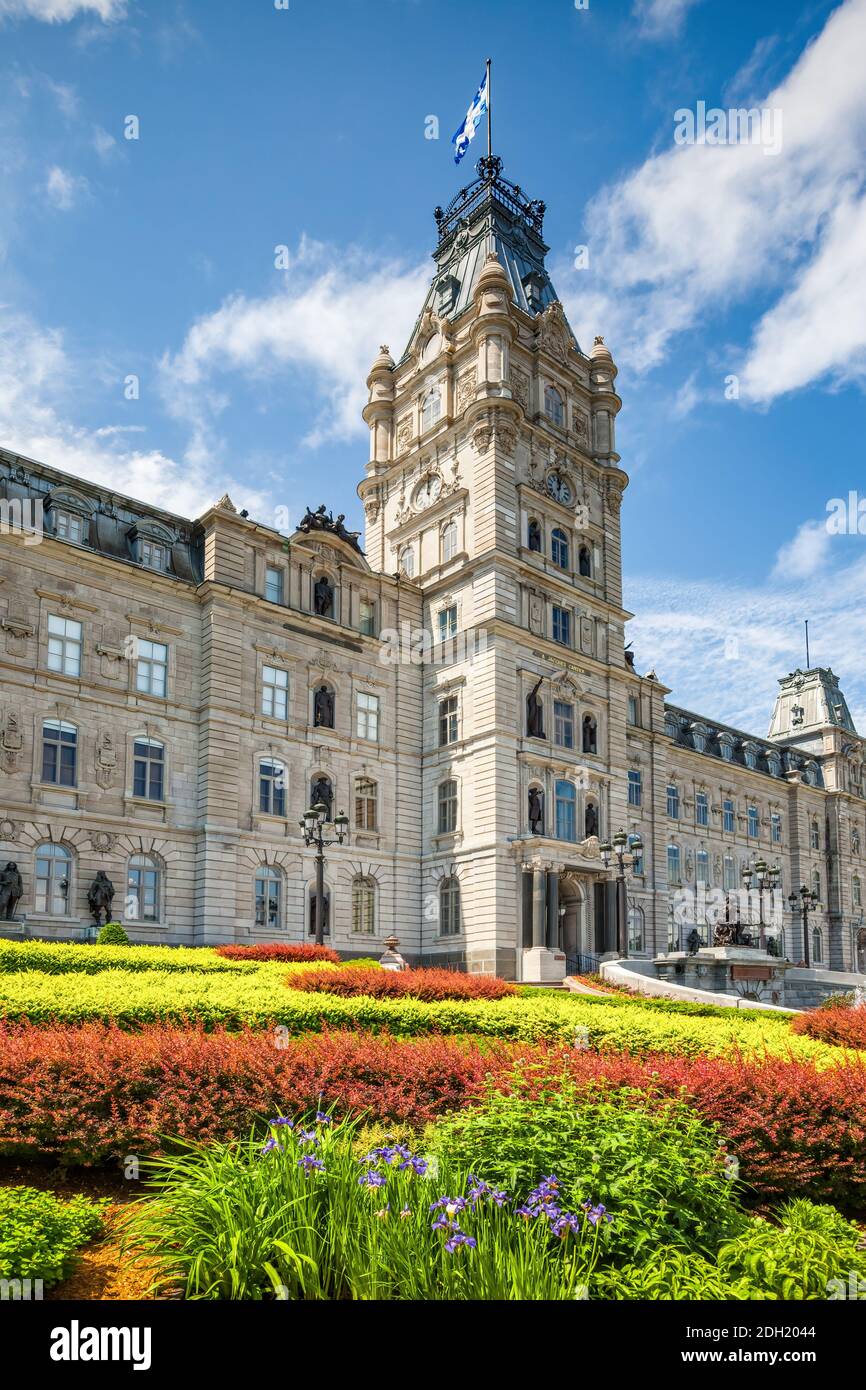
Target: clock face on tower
[
  {"x": 558, "y": 488},
  {"x": 427, "y": 490}
]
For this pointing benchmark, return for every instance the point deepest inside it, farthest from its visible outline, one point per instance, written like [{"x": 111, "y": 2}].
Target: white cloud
[
  {"x": 699, "y": 227},
  {"x": 60, "y": 11},
  {"x": 807, "y": 553},
  {"x": 325, "y": 321},
  {"x": 104, "y": 144},
  {"x": 38, "y": 386},
  {"x": 661, "y": 18},
  {"x": 722, "y": 648},
  {"x": 63, "y": 188}
]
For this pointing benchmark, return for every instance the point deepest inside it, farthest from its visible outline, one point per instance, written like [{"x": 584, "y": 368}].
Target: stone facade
[{"x": 489, "y": 727}]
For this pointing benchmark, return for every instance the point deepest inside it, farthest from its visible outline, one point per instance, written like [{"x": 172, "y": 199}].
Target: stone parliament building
[{"x": 176, "y": 692}]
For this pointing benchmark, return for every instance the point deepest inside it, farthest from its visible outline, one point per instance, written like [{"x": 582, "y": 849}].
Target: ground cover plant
[
  {"x": 305, "y": 1215},
  {"x": 299, "y": 950},
  {"x": 842, "y": 1023},
  {"x": 39, "y": 1234},
  {"x": 428, "y": 985}
]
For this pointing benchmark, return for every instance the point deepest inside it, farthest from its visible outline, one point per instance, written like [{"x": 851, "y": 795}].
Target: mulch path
[{"x": 102, "y": 1272}]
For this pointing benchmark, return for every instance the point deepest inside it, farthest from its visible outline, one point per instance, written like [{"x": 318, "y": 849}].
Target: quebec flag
[{"x": 466, "y": 132}]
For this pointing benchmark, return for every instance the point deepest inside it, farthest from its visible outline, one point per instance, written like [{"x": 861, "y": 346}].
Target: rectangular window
[
  {"x": 367, "y": 725},
  {"x": 148, "y": 767},
  {"x": 152, "y": 667},
  {"x": 633, "y": 710},
  {"x": 729, "y": 873},
  {"x": 64, "y": 646},
  {"x": 275, "y": 692},
  {"x": 59, "y": 753},
  {"x": 561, "y": 626},
  {"x": 635, "y": 788},
  {"x": 69, "y": 527},
  {"x": 449, "y": 907},
  {"x": 447, "y": 819},
  {"x": 753, "y": 822},
  {"x": 674, "y": 802},
  {"x": 563, "y": 724},
  {"x": 702, "y": 809},
  {"x": 728, "y": 817},
  {"x": 152, "y": 555},
  {"x": 368, "y": 617},
  {"x": 673, "y": 864},
  {"x": 448, "y": 720},
  {"x": 448, "y": 623},
  {"x": 366, "y": 804},
  {"x": 272, "y": 789},
  {"x": 702, "y": 867},
  {"x": 274, "y": 584},
  {"x": 776, "y": 828}
]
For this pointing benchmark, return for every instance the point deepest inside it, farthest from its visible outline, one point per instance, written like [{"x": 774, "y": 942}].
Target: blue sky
[{"x": 305, "y": 128}]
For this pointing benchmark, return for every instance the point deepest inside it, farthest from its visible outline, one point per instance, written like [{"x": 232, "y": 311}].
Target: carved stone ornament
[
  {"x": 520, "y": 387},
  {"x": 106, "y": 759},
  {"x": 371, "y": 509},
  {"x": 404, "y": 435},
  {"x": 11, "y": 742},
  {"x": 103, "y": 841},
  {"x": 580, "y": 424},
  {"x": 553, "y": 331},
  {"x": 481, "y": 438},
  {"x": 9, "y": 831},
  {"x": 588, "y": 848},
  {"x": 466, "y": 385}
]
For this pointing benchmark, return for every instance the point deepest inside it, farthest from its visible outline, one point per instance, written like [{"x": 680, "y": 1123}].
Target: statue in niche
[
  {"x": 590, "y": 744},
  {"x": 590, "y": 820},
  {"x": 323, "y": 597},
  {"x": 323, "y": 708},
  {"x": 100, "y": 896},
  {"x": 535, "y": 712},
  {"x": 322, "y": 794},
  {"x": 536, "y": 811},
  {"x": 11, "y": 889}
]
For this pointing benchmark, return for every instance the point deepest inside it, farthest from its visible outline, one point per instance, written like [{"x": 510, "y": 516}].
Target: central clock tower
[{"x": 493, "y": 486}]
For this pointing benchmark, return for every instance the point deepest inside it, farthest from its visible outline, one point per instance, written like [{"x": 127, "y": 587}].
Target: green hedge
[
  {"x": 39, "y": 1234},
  {"x": 258, "y": 997},
  {"x": 69, "y": 957}
]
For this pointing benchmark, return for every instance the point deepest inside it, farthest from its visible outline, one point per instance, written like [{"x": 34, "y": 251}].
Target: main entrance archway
[{"x": 572, "y": 916}]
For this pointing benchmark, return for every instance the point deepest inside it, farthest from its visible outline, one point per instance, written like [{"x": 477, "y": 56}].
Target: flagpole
[{"x": 489, "y": 113}]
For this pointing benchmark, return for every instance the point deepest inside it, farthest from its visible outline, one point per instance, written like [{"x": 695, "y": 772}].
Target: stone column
[
  {"x": 538, "y": 924},
  {"x": 553, "y": 909}
]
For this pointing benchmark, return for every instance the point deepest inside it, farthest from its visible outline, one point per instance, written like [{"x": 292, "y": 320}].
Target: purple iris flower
[
  {"x": 282, "y": 1120},
  {"x": 459, "y": 1239},
  {"x": 322, "y": 1118},
  {"x": 310, "y": 1164},
  {"x": 372, "y": 1179},
  {"x": 269, "y": 1146}
]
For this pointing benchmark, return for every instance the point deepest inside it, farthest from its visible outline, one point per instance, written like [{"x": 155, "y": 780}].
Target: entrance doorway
[{"x": 571, "y": 917}]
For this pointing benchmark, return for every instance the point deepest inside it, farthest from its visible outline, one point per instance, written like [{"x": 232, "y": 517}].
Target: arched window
[
  {"x": 406, "y": 561},
  {"x": 817, "y": 946},
  {"x": 534, "y": 536},
  {"x": 53, "y": 880},
  {"x": 323, "y": 597},
  {"x": 856, "y": 891},
  {"x": 636, "y": 924},
  {"x": 431, "y": 409},
  {"x": 364, "y": 905},
  {"x": 148, "y": 769},
  {"x": 449, "y": 542},
  {"x": 269, "y": 896},
  {"x": 59, "y": 753},
  {"x": 566, "y": 811},
  {"x": 590, "y": 734},
  {"x": 272, "y": 787},
  {"x": 366, "y": 804},
  {"x": 143, "y": 889},
  {"x": 584, "y": 562},
  {"x": 449, "y": 907},
  {"x": 553, "y": 405},
  {"x": 447, "y": 807},
  {"x": 559, "y": 548}
]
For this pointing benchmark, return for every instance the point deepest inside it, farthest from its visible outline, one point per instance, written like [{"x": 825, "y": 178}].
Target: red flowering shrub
[
  {"x": 93, "y": 1093},
  {"x": 840, "y": 1024},
  {"x": 299, "y": 951},
  {"x": 428, "y": 985}
]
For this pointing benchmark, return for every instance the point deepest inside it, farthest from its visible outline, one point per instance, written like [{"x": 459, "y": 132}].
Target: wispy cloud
[
  {"x": 803, "y": 556},
  {"x": 324, "y": 323},
  {"x": 661, "y": 19},
  {"x": 64, "y": 189},
  {"x": 61, "y": 11},
  {"x": 792, "y": 222},
  {"x": 723, "y": 647}
]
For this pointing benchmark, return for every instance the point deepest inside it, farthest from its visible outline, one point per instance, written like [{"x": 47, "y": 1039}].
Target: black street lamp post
[
  {"x": 808, "y": 901},
  {"x": 313, "y": 827},
  {"x": 622, "y": 847},
  {"x": 765, "y": 876}
]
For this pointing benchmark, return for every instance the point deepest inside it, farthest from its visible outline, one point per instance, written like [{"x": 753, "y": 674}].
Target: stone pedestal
[
  {"x": 740, "y": 970},
  {"x": 541, "y": 965}
]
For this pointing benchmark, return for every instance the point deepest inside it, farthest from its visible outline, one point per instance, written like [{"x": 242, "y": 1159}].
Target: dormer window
[
  {"x": 70, "y": 526},
  {"x": 152, "y": 555},
  {"x": 554, "y": 408},
  {"x": 533, "y": 285},
  {"x": 431, "y": 409}
]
